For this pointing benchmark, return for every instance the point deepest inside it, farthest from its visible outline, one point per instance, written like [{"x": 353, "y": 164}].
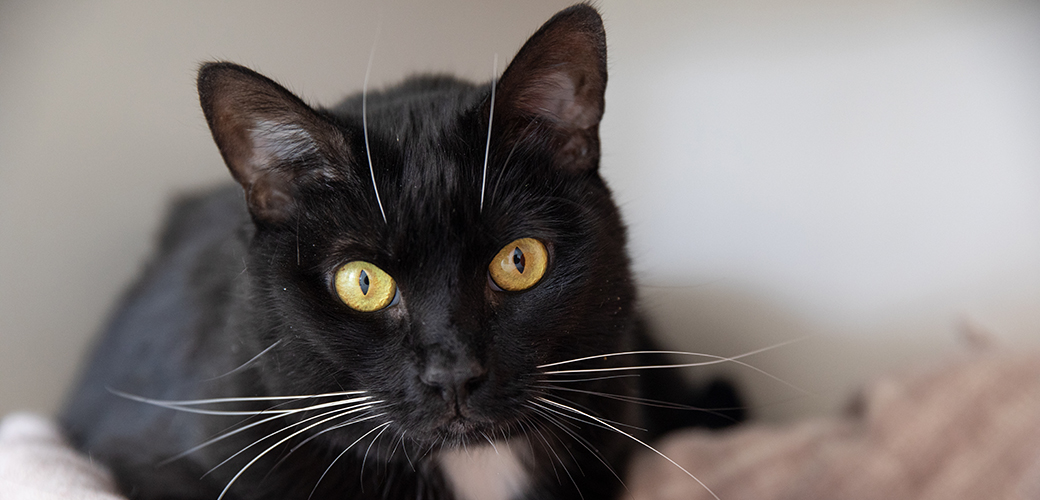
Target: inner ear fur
[
  {"x": 270, "y": 140},
  {"x": 558, "y": 79}
]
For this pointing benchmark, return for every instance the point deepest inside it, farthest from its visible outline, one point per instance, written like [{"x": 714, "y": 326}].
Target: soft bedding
[{"x": 966, "y": 430}]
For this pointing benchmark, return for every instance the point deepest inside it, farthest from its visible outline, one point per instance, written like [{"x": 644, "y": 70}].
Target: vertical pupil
[
  {"x": 363, "y": 282},
  {"x": 519, "y": 260}
]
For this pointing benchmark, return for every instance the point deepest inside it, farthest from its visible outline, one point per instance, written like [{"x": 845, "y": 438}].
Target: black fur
[{"x": 235, "y": 276}]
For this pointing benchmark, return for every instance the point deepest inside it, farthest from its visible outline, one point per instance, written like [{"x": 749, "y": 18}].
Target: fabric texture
[
  {"x": 966, "y": 430},
  {"x": 36, "y": 463}
]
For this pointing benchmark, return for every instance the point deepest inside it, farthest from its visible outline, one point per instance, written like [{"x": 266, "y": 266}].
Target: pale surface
[
  {"x": 36, "y": 463},
  {"x": 963, "y": 430}
]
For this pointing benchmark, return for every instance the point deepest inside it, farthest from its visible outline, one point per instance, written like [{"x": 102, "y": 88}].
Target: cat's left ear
[
  {"x": 270, "y": 139},
  {"x": 557, "y": 80}
]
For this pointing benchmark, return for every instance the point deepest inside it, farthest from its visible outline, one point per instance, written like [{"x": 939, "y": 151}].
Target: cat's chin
[
  {"x": 462, "y": 428},
  {"x": 459, "y": 431}
]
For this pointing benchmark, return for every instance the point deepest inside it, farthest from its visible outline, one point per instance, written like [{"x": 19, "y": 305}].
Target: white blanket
[{"x": 37, "y": 464}]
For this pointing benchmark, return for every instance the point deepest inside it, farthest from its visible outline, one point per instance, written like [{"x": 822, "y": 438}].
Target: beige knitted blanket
[{"x": 966, "y": 430}]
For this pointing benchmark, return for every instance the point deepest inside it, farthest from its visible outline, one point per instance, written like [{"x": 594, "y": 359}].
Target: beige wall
[{"x": 866, "y": 173}]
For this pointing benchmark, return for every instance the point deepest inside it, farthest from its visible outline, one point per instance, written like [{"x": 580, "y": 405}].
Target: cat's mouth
[
  {"x": 459, "y": 427},
  {"x": 459, "y": 430}
]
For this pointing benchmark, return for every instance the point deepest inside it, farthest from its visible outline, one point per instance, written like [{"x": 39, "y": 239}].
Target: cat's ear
[
  {"x": 557, "y": 79},
  {"x": 270, "y": 139}
]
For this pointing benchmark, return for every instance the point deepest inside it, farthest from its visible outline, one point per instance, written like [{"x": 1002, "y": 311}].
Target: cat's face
[{"x": 389, "y": 257}]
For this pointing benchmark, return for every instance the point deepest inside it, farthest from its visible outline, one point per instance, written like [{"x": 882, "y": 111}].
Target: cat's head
[{"x": 401, "y": 251}]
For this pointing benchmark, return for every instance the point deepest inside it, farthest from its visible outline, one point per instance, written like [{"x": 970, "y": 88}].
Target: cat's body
[{"x": 245, "y": 300}]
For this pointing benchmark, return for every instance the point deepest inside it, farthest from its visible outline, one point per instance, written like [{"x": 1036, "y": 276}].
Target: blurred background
[{"x": 862, "y": 176}]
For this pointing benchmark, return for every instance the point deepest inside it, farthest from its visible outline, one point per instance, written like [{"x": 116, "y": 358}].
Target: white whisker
[
  {"x": 196, "y": 402},
  {"x": 259, "y": 412},
  {"x": 344, "y": 452},
  {"x": 562, "y": 463},
  {"x": 364, "y": 118},
  {"x": 683, "y": 353},
  {"x": 315, "y": 436},
  {"x": 491, "y": 116},
  {"x": 332, "y": 428},
  {"x": 505, "y": 164},
  {"x": 573, "y": 433},
  {"x": 591, "y": 379},
  {"x": 393, "y": 452},
  {"x": 226, "y": 435},
  {"x": 582, "y": 441},
  {"x": 265, "y": 351},
  {"x": 633, "y": 399},
  {"x": 550, "y": 449},
  {"x": 630, "y": 426},
  {"x": 404, "y": 448},
  {"x": 268, "y": 411},
  {"x": 623, "y": 433},
  {"x": 361, "y": 476},
  {"x": 570, "y": 417},
  {"x": 714, "y": 361},
  {"x": 273, "y": 446},
  {"x": 492, "y": 443},
  {"x": 337, "y": 414}
]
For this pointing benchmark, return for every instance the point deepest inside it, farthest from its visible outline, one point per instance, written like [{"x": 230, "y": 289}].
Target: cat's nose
[{"x": 455, "y": 379}]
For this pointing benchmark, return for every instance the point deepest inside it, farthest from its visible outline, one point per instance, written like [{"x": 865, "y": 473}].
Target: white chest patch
[{"x": 482, "y": 473}]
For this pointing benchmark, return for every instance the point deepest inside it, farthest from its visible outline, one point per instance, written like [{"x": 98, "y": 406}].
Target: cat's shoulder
[{"x": 202, "y": 214}]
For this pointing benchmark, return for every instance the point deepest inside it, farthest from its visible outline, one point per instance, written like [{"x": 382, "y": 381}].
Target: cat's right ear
[
  {"x": 557, "y": 81},
  {"x": 270, "y": 139}
]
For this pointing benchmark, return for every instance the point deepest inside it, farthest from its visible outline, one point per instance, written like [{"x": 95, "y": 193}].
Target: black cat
[{"x": 401, "y": 306}]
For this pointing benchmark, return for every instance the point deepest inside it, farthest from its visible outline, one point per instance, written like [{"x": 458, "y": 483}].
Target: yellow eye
[
  {"x": 364, "y": 287},
  {"x": 519, "y": 265}
]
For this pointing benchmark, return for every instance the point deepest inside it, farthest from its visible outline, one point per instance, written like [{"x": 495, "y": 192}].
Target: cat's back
[
  {"x": 202, "y": 217},
  {"x": 163, "y": 323}
]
